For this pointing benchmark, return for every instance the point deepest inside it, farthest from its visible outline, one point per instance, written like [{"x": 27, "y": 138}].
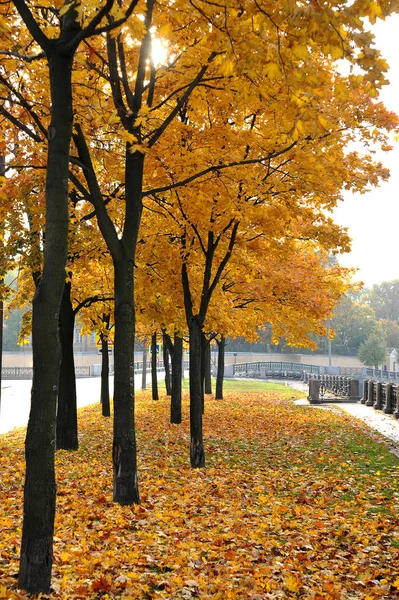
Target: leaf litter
[{"x": 293, "y": 503}]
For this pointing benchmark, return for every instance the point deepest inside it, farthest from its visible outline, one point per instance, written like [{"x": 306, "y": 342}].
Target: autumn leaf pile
[{"x": 295, "y": 502}]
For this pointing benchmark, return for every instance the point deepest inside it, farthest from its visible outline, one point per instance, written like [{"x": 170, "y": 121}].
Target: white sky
[{"x": 373, "y": 218}]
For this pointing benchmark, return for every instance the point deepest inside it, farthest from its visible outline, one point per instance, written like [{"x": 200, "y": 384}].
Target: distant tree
[
  {"x": 384, "y": 300},
  {"x": 373, "y": 351},
  {"x": 390, "y": 330},
  {"x": 12, "y": 324},
  {"x": 353, "y": 324}
]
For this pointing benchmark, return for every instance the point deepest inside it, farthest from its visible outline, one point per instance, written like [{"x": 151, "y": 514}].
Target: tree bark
[
  {"x": 124, "y": 442},
  {"x": 2, "y": 174},
  {"x": 165, "y": 353},
  {"x": 144, "y": 372},
  {"x": 122, "y": 251},
  {"x": 105, "y": 404},
  {"x": 177, "y": 368},
  {"x": 67, "y": 420},
  {"x": 197, "y": 454},
  {"x": 207, "y": 368},
  {"x": 40, "y": 486},
  {"x": 220, "y": 371},
  {"x": 154, "y": 380}
]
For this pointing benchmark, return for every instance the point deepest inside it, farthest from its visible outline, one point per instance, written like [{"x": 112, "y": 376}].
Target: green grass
[{"x": 241, "y": 385}]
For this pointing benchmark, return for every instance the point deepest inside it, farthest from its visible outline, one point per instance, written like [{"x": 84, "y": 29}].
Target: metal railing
[
  {"x": 27, "y": 372},
  {"x": 381, "y": 396},
  {"x": 381, "y": 374},
  {"x": 273, "y": 369},
  {"x": 333, "y": 388}
]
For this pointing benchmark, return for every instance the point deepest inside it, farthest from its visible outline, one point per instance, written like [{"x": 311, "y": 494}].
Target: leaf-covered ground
[{"x": 295, "y": 502}]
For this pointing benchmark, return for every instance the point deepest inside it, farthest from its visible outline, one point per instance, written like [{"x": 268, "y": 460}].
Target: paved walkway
[
  {"x": 15, "y": 397},
  {"x": 387, "y": 425}
]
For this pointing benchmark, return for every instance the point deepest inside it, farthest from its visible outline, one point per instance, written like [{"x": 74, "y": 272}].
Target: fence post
[
  {"x": 388, "y": 410},
  {"x": 365, "y": 391},
  {"x": 370, "y": 393},
  {"x": 354, "y": 390},
  {"x": 314, "y": 391},
  {"x": 396, "y": 413},
  {"x": 378, "y": 399}
]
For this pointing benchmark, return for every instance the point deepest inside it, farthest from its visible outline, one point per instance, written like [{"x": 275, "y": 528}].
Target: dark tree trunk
[
  {"x": 144, "y": 372},
  {"x": 165, "y": 353},
  {"x": 154, "y": 379},
  {"x": 67, "y": 420},
  {"x": 177, "y": 368},
  {"x": 106, "y": 409},
  {"x": 207, "y": 368},
  {"x": 2, "y": 174},
  {"x": 40, "y": 486},
  {"x": 197, "y": 454},
  {"x": 123, "y": 252},
  {"x": 220, "y": 372},
  {"x": 124, "y": 443}
]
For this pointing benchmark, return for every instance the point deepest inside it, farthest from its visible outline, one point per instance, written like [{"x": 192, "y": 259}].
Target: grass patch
[{"x": 245, "y": 385}]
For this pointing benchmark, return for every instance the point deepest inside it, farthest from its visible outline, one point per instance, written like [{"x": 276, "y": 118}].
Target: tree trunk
[
  {"x": 177, "y": 367},
  {"x": 203, "y": 360},
  {"x": 124, "y": 443},
  {"x": 106, "y": 409},
  {"x": 207, "y": 368},
  {"x": 197, "y": 454},
  {"x": 165, "y": 352},
  {"x": 220, "y": 372},
  {"x": 40, "y": 486},
  {"x": 67, "y": 420},
  {"x": 154, "y": 379},
  {"x": 144, "y": 372},
  {"x": 2, "y": 174}
]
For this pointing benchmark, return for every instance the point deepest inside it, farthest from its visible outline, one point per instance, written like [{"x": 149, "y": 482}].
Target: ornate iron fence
[
  {"x": 381, "y": 396},
  {"x": 27, "y": 372},
  {"x": 333, "y": 388},
  {"x": 273, "y": 369}
]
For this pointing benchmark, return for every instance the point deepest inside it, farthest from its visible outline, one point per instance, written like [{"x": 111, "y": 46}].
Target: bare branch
[{"x": 23, "y": 57}]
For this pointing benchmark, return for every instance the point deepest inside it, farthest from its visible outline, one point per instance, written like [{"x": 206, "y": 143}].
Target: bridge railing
[
  {"x": 8, "y": 373},
  {"x": 327, "y": 388},
  {"x": 381, "y": 396},
  {"x": 273, "y": 369}
]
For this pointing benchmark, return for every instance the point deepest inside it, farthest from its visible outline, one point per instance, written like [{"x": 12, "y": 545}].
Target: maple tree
[
  {"x": 55, "y": 36},
  {"x": 142, "y": 113},
  {"x": 292, "y": 93},
  {"x": 88, "y": 297}
]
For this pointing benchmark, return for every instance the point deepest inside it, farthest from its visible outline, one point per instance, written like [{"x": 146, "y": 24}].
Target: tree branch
[
  {"x": 215, "y": 168},
  {"x": 20, "y": 125},
  {"x": 25, "y": 104},
  {"x": 156, "y": 135},
  {"x": 89, "y": 301},
  {"x": 115, "y": 82},
  {"x": 92, "y": 29},
  {"x": 220, "y": 269},
  {"x": 32, "y": 25},
  {"x": 104, "y": 222},
  {"x": 23, "y": 57}
]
